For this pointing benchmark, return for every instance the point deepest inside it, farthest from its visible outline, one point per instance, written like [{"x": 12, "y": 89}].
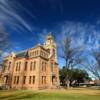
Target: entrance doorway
[{"x": 54, "y": 80}]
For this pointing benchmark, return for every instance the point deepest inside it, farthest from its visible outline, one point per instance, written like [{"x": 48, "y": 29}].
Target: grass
[{"x": 71, "y": 94}]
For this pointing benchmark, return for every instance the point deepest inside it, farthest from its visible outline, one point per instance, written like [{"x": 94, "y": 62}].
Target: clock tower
[{"x": 51, "y": 46}]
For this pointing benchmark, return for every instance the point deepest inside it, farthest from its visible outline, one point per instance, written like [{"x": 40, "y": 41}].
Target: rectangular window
[
  {"x": 43, "y": 79},
  {"x": 30, "y": 79},
  {"x": 14, "y": 79},
  {"x": 34, "y": 66},
  {"x": 45, "y": 66},
  {"x": 42, "y": 66},
  {"x": 17, "y": 82},
  {"x": 24, "y": 79},
  {"x": 33, "y": 79},
  {"x": 16, "y": 66},
  {"x": 19, "y": 66},
  {"x": 31, "y": 64},
  {"x": 25, "y": 66}
]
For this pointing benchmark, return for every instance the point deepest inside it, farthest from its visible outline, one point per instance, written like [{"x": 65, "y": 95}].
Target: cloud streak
[{"x": 9, "y": 15}]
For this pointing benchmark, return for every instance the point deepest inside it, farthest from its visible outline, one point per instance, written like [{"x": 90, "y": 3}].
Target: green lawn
[{"x": 72, "y": 94}]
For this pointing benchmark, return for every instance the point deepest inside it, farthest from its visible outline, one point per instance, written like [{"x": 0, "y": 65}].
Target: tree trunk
[{"x": 68, "y": 84}]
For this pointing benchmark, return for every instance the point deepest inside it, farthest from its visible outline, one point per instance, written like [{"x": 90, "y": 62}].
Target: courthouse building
[{"x": 34, "y": 68}]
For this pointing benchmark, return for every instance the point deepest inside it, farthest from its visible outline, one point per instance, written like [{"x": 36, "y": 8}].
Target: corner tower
[{"x": 51, "y": 46}]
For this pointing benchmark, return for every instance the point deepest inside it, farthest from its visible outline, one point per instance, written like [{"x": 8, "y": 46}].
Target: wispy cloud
[
  {"x": 3, "y": 39},
  {"x": 9, "y": 15},
  {"x": 83, "y": 34}
]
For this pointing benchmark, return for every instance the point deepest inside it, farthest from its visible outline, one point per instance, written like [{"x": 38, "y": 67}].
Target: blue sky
[{"x": 28, "y": 21}]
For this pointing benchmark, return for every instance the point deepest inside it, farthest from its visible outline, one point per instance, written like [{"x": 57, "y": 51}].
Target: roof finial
[{"x": 49, "y": 35}]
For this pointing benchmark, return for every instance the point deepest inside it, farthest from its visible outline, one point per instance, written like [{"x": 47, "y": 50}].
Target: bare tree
[
  {"x": 71, "y": 55},
  {"x": 94, "y": 66}
]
